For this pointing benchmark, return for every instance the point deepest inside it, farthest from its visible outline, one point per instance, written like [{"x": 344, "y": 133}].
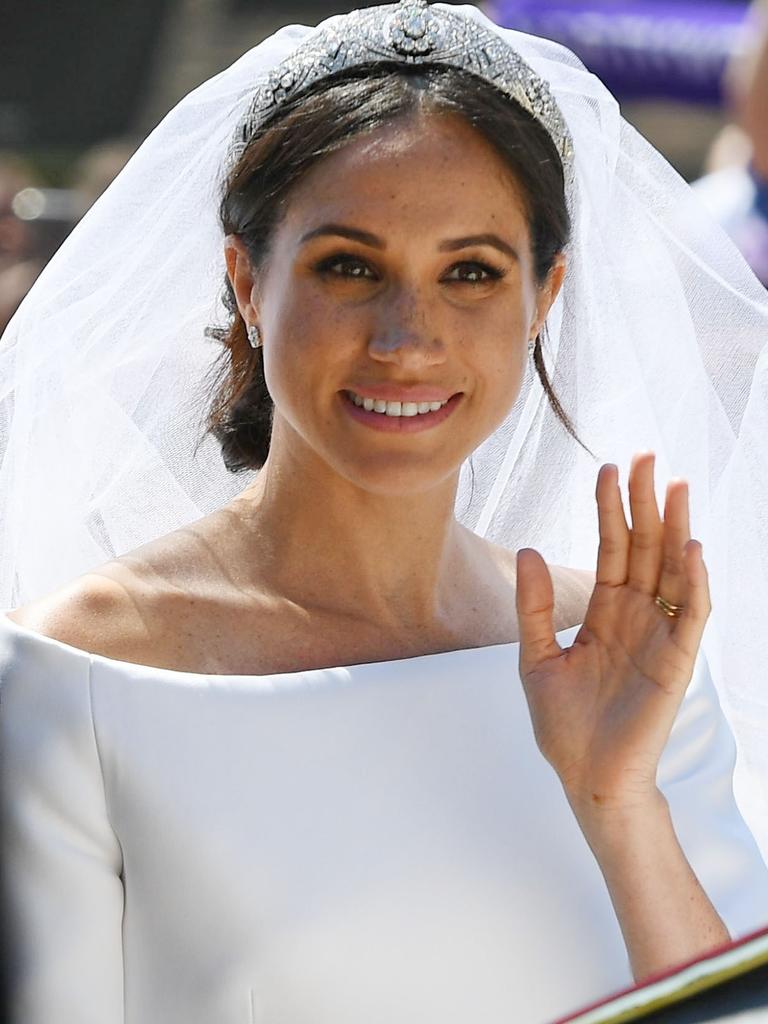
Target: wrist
[{"x": 620, "y": 822}]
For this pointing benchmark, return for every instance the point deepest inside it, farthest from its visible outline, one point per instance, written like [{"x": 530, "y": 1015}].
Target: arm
[
  {"x": 687, "y": 875},
  {"x": 63, "y": 895},
  {"x": 694, "y": 839},
  {"x": 664, "y": 913},
  {"x": 605, "y": 712}
]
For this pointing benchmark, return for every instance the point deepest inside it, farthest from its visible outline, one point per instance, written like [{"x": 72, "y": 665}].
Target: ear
[
  {"x": 548, "y": 292},
  {"x": 240, "y": 274}
]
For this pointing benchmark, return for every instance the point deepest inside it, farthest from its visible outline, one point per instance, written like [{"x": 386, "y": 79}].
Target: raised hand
[{"x": 603, "y": 708}]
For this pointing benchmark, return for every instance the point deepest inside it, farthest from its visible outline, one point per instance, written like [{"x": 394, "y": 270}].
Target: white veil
[{"x": 658, "y": 340}]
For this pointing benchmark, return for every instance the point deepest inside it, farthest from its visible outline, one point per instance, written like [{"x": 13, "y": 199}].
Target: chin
[{"x": 400, "y": 476}]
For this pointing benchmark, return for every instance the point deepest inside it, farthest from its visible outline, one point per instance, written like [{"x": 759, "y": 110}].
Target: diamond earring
[{"x": 254, "y": 336}]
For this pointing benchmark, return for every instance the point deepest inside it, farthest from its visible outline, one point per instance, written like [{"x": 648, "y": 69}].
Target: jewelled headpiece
[{"x": 409, "y": 32}]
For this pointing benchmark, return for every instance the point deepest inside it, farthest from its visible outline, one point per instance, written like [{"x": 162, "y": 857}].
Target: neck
[{"x": 327, "y": 545}]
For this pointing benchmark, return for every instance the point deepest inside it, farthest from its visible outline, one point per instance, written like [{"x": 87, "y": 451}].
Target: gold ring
[{"x": 673, "y": 610}]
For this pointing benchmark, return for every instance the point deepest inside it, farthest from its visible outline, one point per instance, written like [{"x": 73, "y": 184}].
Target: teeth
[{"x": 395, "y": 408}]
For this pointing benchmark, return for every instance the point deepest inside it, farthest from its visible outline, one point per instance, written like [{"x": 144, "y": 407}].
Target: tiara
[{"x": 409, "y": 32}]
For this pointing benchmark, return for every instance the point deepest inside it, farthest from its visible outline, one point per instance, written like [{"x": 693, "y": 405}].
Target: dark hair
[{"x": 319, "y": 121}]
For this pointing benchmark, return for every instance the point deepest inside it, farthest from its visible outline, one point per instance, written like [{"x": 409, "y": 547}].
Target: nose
[{"x": 406, "y": 334}]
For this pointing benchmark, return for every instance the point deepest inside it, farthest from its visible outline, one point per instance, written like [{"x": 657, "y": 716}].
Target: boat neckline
[{"x": 136, "y": 666}]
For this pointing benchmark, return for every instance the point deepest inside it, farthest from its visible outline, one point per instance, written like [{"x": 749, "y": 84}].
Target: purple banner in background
[{"x": 641, "y": 49}]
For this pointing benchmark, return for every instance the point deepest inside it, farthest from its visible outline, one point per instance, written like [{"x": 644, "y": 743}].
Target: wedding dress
[
  {"x": 381, "y": 843},
  {"x": 378, "y": 843}
]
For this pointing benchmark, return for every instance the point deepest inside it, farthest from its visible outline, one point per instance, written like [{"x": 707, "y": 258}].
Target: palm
[{"x": 602, "y": 709}]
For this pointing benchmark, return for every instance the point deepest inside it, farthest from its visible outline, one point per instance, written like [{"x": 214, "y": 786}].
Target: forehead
[{"x": 434, "y": 168}]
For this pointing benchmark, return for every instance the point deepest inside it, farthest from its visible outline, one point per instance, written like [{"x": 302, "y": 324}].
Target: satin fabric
[{"x": 379, "y": 843}]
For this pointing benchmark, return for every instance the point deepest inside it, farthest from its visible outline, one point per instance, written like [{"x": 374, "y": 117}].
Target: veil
[{"x": 657, "y": 340}]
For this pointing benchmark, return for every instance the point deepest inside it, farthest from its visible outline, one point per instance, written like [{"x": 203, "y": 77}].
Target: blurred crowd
[
  {"x": 735, "y": 184},
  {"x": 36, "y": 217}
]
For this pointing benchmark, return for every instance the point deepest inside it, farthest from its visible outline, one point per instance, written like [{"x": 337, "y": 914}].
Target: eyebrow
[
  {"x": 346, "y": 232},
  {"x": 449, "y": 245},
  {"x": 486, "y": 239}
]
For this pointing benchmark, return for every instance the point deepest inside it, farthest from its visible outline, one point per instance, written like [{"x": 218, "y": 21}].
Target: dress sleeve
[
  {"x": 696, "y": 776},
  {"x": 61, "y": 861}
]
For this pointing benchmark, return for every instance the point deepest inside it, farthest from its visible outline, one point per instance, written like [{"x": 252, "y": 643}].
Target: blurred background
[{"x": 82, "y": 84}]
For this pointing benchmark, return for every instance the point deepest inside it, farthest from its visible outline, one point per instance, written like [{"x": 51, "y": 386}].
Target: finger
[
  {"x": 689, "y": 627},
  {"x": 647, "y": 534},
  {"x": 535, "y": 600},
  {"x": 673, "y": 581},
  {"x": 612, "y": 524}
]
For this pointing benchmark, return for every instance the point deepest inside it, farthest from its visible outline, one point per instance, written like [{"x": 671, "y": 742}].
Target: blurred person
[
  {"x": 37, "y": 219},
  {"x": 297, "y": 725},
  {"x": 17, "y": 238},
  {"x": 735, "y": 189},
  {"x": 21, "y": 258}
]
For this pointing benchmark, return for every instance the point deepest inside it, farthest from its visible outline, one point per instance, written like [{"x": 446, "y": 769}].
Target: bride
[{"x": 326, "y": 752}]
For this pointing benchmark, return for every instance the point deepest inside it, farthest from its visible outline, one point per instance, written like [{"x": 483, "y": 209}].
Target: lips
[{"x": 398, "y": 424}]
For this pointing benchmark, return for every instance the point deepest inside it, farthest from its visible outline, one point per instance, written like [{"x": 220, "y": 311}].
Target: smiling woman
[
  {"x": 294, "y": 727},
  {"x": 433, "y": 311},
  {"x": 366, "y": 117}
]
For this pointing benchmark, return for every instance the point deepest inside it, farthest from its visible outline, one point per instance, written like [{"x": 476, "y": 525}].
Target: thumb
[{"x": 535, "y": 599}]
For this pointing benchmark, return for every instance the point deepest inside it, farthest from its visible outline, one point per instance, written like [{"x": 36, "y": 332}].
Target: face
[{"x": 401, "y": 273}]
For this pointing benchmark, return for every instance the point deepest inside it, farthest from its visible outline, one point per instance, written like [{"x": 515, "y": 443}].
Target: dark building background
[{"x": 72, "y": 74}]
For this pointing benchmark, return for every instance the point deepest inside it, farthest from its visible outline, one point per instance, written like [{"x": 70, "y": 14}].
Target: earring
[
  {"x": 254, "y": 336},
  {"x": 531, "y": 346}
]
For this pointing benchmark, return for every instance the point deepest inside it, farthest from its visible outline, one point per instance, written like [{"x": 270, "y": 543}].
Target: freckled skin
[
  {"x": 345, "y": 547},
  {"x": 406, "y": 319}
]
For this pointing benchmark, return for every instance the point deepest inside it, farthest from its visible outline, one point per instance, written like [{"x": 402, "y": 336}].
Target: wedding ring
[{"x": 673, "y": 610}]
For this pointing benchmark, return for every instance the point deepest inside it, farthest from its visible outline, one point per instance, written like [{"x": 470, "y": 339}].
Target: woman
[{"x": 207, "y": 817}]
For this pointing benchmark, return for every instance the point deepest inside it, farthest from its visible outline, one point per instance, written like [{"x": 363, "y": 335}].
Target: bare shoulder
[
  {"x": 136, "y": 607},
  {"x": 572, "y": 587},
  {"x": 577, "y": 585},
  {"x": 582, "y": 579},
  {"x": 107, "y": 611}
]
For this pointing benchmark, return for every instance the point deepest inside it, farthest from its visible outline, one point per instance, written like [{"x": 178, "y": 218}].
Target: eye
[
  {"x": 475, "y": 269},
  {"x": 353, "y": 266}
]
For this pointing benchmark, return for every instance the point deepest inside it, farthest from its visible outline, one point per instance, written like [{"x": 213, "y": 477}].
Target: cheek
[
  {"x": 496, "y": 338},
  {"x": 303, "y": 314},
  {"x": 499, "y": 360},
  {"x": 307, "y": 341},
  {"x": 504, "y": 381}
]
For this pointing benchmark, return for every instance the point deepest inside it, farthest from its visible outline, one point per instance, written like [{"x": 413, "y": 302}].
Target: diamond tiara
[{"x": 409, "y": 32}]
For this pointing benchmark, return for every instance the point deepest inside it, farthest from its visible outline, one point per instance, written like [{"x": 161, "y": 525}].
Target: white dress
[{"x": 376, "y": 844}]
